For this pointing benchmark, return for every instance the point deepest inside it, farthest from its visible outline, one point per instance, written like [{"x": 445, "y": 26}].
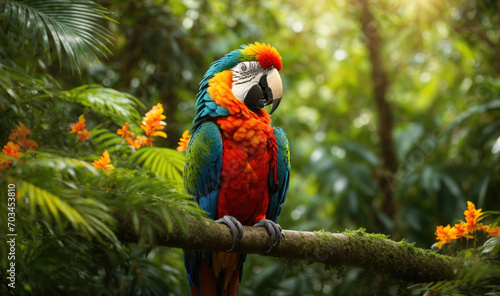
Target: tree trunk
[{"x": 374, "y": 43}]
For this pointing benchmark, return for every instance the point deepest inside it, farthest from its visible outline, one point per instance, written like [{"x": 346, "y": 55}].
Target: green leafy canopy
[{"x": 60, "y": 25}]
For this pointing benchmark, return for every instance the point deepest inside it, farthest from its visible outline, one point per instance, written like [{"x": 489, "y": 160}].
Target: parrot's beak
[
  {"x": 276, "y": 103},
  {"x": 274, "y": 82},
  {"x": 266, "y": 92}
]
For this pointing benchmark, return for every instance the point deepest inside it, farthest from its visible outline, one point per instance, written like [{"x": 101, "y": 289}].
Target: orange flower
[
  {"x": 4, "y": 164},
  {"x": 12, "y": 149},
  {"x": 183, "y": 141},
  {"x": 84, "y": 135},
  {"x": 78, "y": 127},
  {"x": 20, "y": 132},
  {"x": 472, "y": 216},
  {"x": 134, "y": 144},
  {"x": 19, "y": 135},
  {"x": 153, "y": 122},
  {"x": 103, "y": 162},
  {"x": 143, "y": 141},
  {"x": 80, "y": 130},
  {"x": 28, "y": 144},
  {"x": 125, "y": 132},
  {"x": 159, "y": 134},
  {"x": 493, "y": 231},
  {"x": 462, "y": 230},
  {"x": 139, "y": 142},
  {"x": 445, "y": 234}
]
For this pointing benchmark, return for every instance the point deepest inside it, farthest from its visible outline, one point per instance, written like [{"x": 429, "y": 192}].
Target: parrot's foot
[
  {"x": 274, "y": 230},
  {"x": 234, "y": 226}
]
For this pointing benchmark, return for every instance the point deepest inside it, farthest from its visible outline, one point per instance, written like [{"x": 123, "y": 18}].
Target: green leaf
[
  {"x": 164, "y": 162},
  {"x": 452, "y": 186},
  {"x": 475, "y": 110},
  {"x": 407, "y": 137},
  {"x": 490, "y": 244},
  {"x": 362, "y": 152},
  {"x": 430, "y": 179},
  {"x": 468, "y": 253},
  {"x": 72, "y": 26},
  {"x": 119, "y": 106}
]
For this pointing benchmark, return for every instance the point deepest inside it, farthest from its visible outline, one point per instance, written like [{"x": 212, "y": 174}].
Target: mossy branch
[{"x": 374, "y": 252}]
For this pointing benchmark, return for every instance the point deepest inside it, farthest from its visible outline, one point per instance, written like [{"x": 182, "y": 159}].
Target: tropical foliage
[{"x": 78, "y": 78}]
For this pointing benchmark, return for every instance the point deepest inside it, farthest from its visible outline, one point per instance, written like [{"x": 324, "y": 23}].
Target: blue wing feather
[{"x": 277, "y": 193}]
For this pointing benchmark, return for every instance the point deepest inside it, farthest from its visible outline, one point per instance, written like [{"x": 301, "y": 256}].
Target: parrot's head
[{"x": 244, "y": 80}]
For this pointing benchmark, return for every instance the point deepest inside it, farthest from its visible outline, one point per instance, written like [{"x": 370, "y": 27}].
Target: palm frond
[
  {"x": 103, "y": 139},
  {"x": 71, "y": 26},
  {"x": 164, "y": 162},
  {"x": 46, "y": 186},
  {"x": 142, "y": 196},
  {"x": 118, "y": 106},
  {"x": 71, "y": 192},
  {"x": 83, "y": 214},
  {"x": 45, "y": 160},
  {"x": 15, "y": 83}
]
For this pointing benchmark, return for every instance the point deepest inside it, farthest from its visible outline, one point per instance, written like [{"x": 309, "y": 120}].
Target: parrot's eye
[{"x": 247, "y": 67}]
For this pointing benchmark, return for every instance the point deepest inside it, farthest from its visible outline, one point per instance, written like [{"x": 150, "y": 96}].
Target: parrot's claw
[
  {"x": 274, "y": 230},
  {"x": 234, "y": 226}
]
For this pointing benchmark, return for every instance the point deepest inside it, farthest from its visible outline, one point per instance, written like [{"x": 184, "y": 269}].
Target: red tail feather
[{"x": 226, "y": 267}]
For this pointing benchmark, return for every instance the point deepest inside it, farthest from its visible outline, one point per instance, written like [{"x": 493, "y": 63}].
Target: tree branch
[{"x": 372, "y": 252}]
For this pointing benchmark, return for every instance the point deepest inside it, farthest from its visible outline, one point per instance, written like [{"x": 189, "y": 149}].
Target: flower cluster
[
  {"x": 12, "y": 149},
  {"x": 445, "y": 235},
  {"x": 183, "y": 141},
  {"x": 152, "y": 124},
  {"x": 103, "y": 163},
  {"x": 19, "y": 135},
  {"x": 79, "y": 129}
]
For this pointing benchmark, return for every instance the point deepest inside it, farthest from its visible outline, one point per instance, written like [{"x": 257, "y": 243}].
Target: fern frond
[
  {"x": 164, "y": 162},
  {"x": 69, "y": 26}
]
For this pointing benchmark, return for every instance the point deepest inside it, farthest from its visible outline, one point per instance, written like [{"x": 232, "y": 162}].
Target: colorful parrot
[{"x": 237, "y": 164}]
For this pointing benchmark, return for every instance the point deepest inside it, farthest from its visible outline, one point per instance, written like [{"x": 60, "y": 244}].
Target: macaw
[{"x": 237, "y": 164}]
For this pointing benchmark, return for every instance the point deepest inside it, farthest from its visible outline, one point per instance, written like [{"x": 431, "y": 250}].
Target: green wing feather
[{"x": 204, "y": 166}]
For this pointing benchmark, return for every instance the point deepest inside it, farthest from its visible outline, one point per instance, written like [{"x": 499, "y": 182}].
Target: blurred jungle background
[{"x": 391, "y": 107}]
